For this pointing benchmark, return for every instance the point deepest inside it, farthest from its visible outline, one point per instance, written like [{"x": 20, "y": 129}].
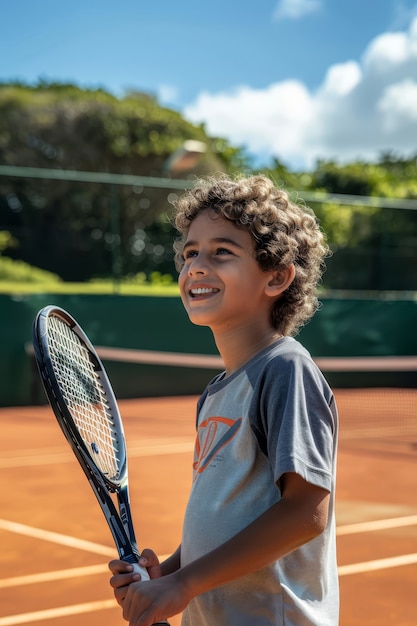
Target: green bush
[
  {"x": 20, "y": 277},
  {"x": 21, "y": 272}
]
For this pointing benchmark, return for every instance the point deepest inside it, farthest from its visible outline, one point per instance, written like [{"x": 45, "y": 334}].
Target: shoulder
[
  {"x": 286, "y": 365},
  {"x": 283, "y": 357}
]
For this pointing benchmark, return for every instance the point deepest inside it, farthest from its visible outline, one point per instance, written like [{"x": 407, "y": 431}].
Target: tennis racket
[{"x": 84, "y": 404}]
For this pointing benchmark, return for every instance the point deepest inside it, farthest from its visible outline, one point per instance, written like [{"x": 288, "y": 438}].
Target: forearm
[
  {"x": 172, "y": 563},
  {"x": 284, "y": 527}
]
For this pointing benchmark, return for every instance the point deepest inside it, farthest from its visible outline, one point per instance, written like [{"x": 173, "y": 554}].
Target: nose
[{"x": 197, "y": 266}]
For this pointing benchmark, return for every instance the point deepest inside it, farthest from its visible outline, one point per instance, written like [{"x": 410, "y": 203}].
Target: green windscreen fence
[{"x": 150, "y": 348}]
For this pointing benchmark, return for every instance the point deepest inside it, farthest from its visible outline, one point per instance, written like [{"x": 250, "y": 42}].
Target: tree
[
  {"x": 374, "y": 243},
  {"x": 63, "y": 126}
]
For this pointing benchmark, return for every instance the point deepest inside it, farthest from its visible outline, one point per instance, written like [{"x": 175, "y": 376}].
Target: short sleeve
[{"x": 294, "y": 418}]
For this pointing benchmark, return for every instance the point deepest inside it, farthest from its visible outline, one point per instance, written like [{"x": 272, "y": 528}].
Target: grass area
[
  {"x": 18, "y": 277},
  {"x": 99, "y": 288}
]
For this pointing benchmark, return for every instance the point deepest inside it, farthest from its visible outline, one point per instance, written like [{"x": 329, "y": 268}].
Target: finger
[
  {"x": 126, "y": 608},
  {"x": 123, "y": 580},
  {"x": 150, "y": 557},
  {"x": 119, "y": 567},
  {"x": 150, "y": 560},
  {"x": 120, "y": 595}
]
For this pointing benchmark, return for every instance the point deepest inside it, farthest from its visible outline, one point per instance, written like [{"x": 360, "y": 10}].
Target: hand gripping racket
[{"x": 84, "y": 404}]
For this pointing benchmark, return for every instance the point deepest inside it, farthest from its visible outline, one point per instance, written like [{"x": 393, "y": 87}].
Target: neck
[{"x": 237, "y": 347}]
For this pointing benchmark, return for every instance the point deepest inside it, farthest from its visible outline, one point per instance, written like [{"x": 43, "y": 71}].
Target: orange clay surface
[{"x": 55, "y": 544}]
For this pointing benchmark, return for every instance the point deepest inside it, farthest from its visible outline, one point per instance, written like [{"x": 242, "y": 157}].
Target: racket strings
[{"x": 84, "y": 396}]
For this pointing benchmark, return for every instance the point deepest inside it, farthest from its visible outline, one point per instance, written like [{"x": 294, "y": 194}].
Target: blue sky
[{"x": 295, "y": 79}]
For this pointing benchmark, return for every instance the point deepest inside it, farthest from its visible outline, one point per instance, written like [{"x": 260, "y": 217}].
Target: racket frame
[{"x": 120, "y": 522}]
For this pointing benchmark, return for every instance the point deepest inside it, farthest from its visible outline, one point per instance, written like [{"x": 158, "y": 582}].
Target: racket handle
[{"x": 137, "y": 569}]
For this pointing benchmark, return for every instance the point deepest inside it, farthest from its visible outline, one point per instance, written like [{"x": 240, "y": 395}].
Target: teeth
[{"x": 201, "y": 290}]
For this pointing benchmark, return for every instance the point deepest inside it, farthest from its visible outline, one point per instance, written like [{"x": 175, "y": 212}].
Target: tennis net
[
  {"x": 377, "y": 401},
  {"x": 376, "y": 396}
]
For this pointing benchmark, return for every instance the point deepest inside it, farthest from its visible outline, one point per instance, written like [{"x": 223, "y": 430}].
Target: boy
[{"x": 258, "y": 545}]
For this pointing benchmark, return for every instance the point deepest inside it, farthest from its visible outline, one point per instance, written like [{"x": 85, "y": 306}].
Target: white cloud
[
  {"x": 389, "y": 49},
  {"x": 342, "y": 79},
  {"x": 398, "y": 106},
  {"x": 361, "y": 109},
  {"x": 284, "y": 108},
  {"x": 295, "y": 9}
]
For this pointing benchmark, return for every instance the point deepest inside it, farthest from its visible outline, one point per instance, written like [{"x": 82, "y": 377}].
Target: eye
[
  {"x": 221, "y": 251},
  {"x": 189, "y": 253}
]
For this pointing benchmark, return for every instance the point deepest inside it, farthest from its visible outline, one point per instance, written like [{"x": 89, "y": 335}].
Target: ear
[{"x": 280, "y": 281}]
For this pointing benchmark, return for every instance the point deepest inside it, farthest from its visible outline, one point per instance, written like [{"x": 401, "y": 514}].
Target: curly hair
[{"x": 283, "y": 233}]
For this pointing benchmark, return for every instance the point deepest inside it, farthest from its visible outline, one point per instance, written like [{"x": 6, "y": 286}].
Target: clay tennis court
[{"x": 55, "y": 543}]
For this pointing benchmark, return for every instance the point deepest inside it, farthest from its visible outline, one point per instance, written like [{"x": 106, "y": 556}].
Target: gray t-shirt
[{"x": 274, "y": 415}]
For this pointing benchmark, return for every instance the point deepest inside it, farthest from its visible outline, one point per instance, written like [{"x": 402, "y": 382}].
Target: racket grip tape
[{"x": 137, "y": 569}]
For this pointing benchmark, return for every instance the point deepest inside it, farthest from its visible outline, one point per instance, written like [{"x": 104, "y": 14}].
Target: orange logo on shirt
[{"x": 213, "y": 435}]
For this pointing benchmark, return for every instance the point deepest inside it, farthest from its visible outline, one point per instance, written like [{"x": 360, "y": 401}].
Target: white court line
[
  {"x": 153, "y": 448},
  {"x": 29, "y": 461},
  {"x": 372, "y": 566},
  {"x": 62, "y": 574},
  {"x": 97, "y": 548},
  {"x": 63, "y": 611},
  {"x": 381, "y": 524},
  {"x": 378, "y": 564},
  {"x": 161, "y": 448},
  {"x": 64, "y": 540}
]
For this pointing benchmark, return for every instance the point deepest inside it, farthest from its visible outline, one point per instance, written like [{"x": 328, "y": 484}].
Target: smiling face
[{"x": 221, "y": 284}]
